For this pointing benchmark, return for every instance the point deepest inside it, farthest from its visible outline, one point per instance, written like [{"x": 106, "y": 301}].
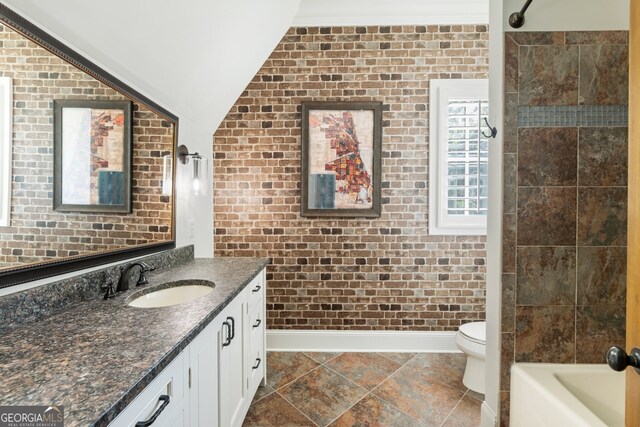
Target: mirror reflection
[{"x": 32, "y": 81}]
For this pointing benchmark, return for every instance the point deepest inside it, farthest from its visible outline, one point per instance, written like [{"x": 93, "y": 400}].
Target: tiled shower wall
[
  {"x": 565, "y": 198},
  {"x": 360, "y": 273}
]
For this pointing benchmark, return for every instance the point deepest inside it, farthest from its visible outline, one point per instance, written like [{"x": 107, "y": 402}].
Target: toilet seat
[{"x": 475, "y": 332}]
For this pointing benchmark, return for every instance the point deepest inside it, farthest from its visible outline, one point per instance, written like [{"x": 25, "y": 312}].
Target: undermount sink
[{"x": 171, "y": 293}]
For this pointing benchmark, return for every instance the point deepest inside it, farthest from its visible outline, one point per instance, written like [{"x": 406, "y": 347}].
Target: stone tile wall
[
  {"x": 36, "y": 232},
  {"x": 333, "y": 273},
  {"x": 565, "y": 198}
]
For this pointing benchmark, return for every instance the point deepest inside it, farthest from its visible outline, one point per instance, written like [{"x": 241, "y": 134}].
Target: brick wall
[
  {"x": 36, "y": 232},
  {"x": 385, "y": 273}
]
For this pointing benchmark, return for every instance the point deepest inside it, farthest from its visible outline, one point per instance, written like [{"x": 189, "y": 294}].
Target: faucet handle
[
  {"x": 144, "y": 269},
  {"x": 109, "y": 291},
  {"x": 142, "y": 279}
]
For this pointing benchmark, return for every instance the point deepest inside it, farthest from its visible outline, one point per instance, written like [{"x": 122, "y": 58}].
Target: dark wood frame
[
  {"x": 127, "y": 161},
  {"x": 22, "y": 274},
  {"x": 376, "y": 209}
]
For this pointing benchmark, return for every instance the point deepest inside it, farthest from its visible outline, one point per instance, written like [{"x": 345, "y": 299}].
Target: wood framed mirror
[{"x": 37, "y": 241}]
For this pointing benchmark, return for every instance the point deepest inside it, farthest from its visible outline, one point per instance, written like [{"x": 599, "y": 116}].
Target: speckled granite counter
[{"x": 96, "y": 356}]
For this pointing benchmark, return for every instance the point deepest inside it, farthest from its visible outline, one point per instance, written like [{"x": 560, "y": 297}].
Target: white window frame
[
  {"x": 6, "y": 137},
  {"x": 441, "y": 91}
]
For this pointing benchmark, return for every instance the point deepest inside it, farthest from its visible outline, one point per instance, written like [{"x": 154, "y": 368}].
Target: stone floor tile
[
  {"x": 284, "y": 367},
  {"x": 466, "y": 414},
  {"x": 322, "y": 357},
  {"x": 322, "y": 395},
  {"x": 374, "y": 412},
  {"x": 448, "y": 368},
  {"x": 365, "y": 369},
  {"x": 419, "y": 395},
  {"x": 275, "y": 411}
]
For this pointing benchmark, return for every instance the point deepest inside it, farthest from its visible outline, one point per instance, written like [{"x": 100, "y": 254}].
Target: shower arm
[{"x": 516, "y": 20}]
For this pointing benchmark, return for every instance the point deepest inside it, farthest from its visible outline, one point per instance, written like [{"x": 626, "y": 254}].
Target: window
[
  {"x": 6, "y": 113},
  {"x": 458, "y": 156}
]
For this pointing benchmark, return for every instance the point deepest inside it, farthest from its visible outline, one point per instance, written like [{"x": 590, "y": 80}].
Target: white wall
[
  {"x": 194, "y": 58},
  {"x": 570, "y": 15},
  {"x": 490, "y": 407}
]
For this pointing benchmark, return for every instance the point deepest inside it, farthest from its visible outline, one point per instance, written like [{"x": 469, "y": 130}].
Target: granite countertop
[{"x": 96, "y": 356}]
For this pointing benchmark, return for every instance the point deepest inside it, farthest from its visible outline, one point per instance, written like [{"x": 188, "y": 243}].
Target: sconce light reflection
[
  {"x": 167, "y": 175},
  {"x": 199, "y": 172}
]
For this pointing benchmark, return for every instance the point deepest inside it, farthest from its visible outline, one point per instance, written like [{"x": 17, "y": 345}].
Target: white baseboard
[
  {"x": 382, "y": 341},
  {"x": 488, "y": 418}
]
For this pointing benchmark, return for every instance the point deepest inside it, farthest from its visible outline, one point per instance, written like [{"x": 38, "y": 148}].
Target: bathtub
[{"x": 566, "y": 395}]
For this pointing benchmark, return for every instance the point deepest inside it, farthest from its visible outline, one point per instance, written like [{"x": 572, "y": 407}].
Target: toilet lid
[{"x": 475, "y": 331}]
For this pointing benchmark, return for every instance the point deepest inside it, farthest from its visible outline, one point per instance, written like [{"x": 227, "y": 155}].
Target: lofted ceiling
[
  {"x": 194, "y": 60},
  {"x": 196, "y": 57}
]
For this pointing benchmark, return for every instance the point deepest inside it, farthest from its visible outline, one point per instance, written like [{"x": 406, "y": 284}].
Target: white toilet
[{"x": 471, "y": 339}]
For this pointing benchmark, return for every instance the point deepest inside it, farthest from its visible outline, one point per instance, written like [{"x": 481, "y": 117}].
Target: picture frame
[
  {"x": 341, "y": 159},
  {"x": 92, "y": 156}
]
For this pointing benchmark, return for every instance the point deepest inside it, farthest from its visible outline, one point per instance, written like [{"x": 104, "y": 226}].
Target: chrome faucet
[{"x": 123, "y": 283}]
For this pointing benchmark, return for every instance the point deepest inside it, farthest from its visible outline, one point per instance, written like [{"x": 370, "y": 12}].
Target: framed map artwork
[
  {"x": 92, "y": 156},
  {"x": 341, "y": 159}
]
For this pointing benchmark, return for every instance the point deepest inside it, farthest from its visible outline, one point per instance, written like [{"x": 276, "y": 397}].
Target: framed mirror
[{"x": 86, "y": 169}]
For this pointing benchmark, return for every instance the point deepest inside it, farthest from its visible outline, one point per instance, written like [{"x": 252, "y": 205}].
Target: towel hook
[
  {"x": 494, "y": 131},
  {"x": 516, "y": 20}
]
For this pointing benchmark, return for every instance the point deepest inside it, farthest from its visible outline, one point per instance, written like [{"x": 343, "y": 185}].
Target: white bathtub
[{"x": 566, "y": 395}]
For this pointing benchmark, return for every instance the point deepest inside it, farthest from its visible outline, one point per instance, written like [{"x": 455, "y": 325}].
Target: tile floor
[{"x": 364, "y": 389}]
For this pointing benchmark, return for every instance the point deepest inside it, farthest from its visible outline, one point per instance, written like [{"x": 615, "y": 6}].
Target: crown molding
[{"x": 328, "y": 13}]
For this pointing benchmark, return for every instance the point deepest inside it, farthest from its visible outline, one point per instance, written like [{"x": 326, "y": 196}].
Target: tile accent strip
[{"x": 574, "y": 115}]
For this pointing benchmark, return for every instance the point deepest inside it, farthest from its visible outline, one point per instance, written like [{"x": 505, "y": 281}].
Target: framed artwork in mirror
[
  {"x": 341, "y": 159},
  {"x": 92, "y": 156}
]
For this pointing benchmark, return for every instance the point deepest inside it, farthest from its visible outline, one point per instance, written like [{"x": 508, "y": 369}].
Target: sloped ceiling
[
  {"x": 193, "y": 57},
  {"x": 196, "y": 57}
]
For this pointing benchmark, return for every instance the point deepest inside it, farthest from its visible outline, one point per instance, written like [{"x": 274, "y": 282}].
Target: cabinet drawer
[
  {"x": 169, "y": 383},
  {"x": 256, "y": 290}
]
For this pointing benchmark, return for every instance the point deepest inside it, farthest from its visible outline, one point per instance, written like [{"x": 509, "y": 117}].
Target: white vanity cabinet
[
  {"x": 202, "y": 376},
  {"x": 242, "y": 361},
  {"x": 256, "y": 361},
  {"x": 212, "y": 382},
  {"x": 161, "y": 403},
  {"x": 232, "y": 391}
]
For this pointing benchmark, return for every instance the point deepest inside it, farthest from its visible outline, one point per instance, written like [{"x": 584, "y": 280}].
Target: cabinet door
[
  {"x": 179, "y": 421},
  {"x": 233, "y": 393},
  {"x": 202, "y": 377}
]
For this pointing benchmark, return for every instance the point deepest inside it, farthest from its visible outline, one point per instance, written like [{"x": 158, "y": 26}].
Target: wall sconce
[{"x": 199, "y": 172}]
